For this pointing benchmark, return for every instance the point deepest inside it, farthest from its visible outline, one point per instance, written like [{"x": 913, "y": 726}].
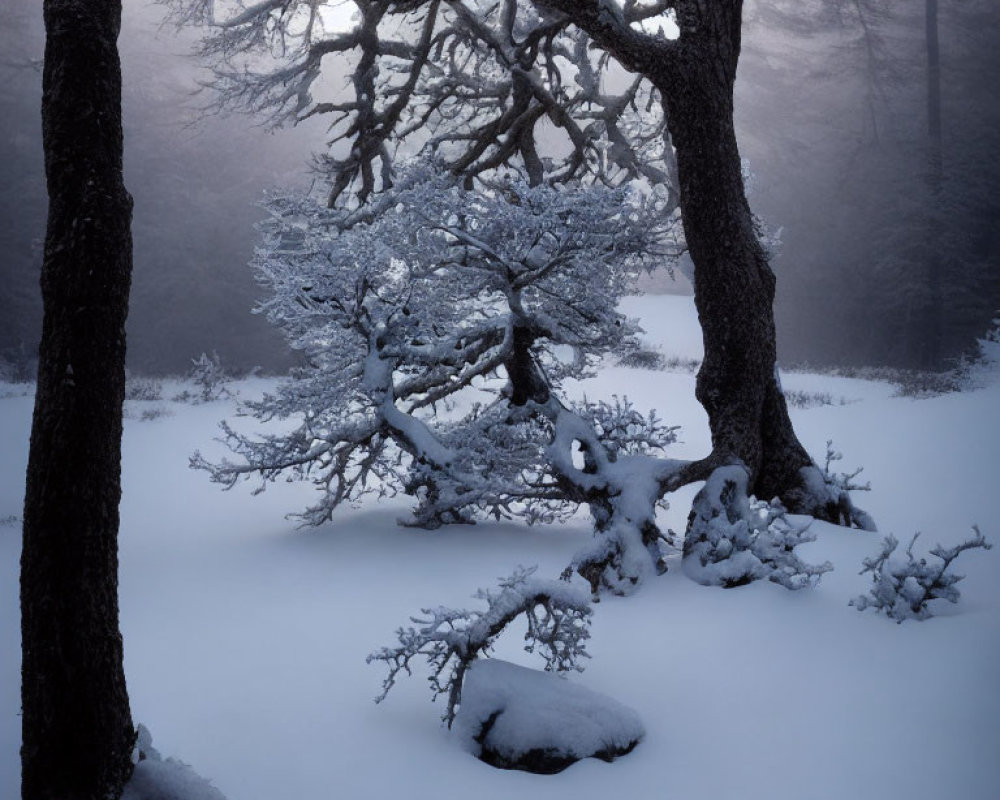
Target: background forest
[{"x": 832, "y": 116}]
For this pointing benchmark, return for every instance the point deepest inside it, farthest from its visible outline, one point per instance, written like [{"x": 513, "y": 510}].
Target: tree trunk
[
  {"x": 733, "y": 282},
  {"x": 77, "y": 727}
]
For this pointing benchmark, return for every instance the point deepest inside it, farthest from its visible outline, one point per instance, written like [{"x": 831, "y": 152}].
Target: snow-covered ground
[{"x": 245, "y": 639}]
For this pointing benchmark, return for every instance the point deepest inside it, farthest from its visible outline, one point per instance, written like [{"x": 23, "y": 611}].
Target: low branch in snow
[
  {"x": 826, "y": 493},
  {"x": 558, "y": 617}
]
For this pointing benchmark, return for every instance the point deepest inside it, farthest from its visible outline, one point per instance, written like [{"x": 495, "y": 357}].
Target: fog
[
  {"x": 832, "y": 113},
  {"x": 831, "y": 118},
  {"x": 196, "y": 179}
]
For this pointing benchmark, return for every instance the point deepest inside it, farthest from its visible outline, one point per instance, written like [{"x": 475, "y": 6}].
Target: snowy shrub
[
  {"x": 748, "y": 540},
  {"x": 902, "y": 588},
  {"x": 642, "y": 357},
  {"x": 558, "y": 618},
  {"x": 844, "y": 481},
  {"x": 989, "y": 345},
  {"x": 688, "y": 366},
  {"x": 623, "y": 429},
  {"x": 976, "y": 371},
  {"x": 798, "y": 398},
  {"x": 919, "y": 383},
  {"x": 908, "y": 382},
  {"x": 142, "y": 389},
  {"x": 210, "y": 379},
  {"x": 145, "y": 413}
]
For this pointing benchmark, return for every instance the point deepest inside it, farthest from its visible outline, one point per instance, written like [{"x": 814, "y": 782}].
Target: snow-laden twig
[
  {"x": 826, "y": 492},
  {"x": 842, "y": 481}
]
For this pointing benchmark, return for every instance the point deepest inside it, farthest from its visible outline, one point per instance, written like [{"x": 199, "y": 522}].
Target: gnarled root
[
  {"x": 733, "y": 539},
  {"x": 822, "y": 498}
]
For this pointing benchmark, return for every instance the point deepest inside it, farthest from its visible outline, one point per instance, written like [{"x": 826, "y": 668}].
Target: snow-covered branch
[{"x": 558, "y": 618}]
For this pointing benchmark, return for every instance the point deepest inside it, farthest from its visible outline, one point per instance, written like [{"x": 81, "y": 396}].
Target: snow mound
[
  {"x": 518, "y": 718},
  {"x": 157, "y": 779}
]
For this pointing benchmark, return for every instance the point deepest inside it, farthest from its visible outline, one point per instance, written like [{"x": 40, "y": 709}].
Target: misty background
[{"x": 832, "y": 114}]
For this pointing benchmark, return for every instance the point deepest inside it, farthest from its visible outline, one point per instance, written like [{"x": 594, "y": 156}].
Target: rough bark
[
  {"x": 734, "y": 284},
  {"x": 77, "y": 727}
]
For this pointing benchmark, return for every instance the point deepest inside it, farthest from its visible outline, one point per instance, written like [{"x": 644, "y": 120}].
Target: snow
[
  {"x": 245, "y": 637},
  {"x": 156, "y": 778},
  {"x": 511, "y": 710}
]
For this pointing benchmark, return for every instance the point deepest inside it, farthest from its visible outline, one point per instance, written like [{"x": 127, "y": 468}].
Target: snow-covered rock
[{"x": 518, "y": 718}]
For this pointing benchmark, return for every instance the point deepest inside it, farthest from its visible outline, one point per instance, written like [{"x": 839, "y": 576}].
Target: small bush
[
  {"x": 749, "y": 540},
  {"x": 643, "y": 358},
  {"x": 902, "y": 589},
  {"x": 147, "y": 390},
  {"x": 210, "y": 379},
  {"x": 646, "y": 357},
  {"x": 798, "y": 398}
]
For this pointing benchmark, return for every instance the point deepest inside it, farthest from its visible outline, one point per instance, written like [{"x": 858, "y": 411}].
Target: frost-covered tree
[
  {"x": 438, "y": 337},
  {"x": 557, "y": 91}
]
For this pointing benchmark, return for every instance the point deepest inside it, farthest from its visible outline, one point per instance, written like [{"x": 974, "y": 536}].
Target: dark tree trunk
[
  {"x": 734, "y": 284},
  {"x": 77, "y": 727}
]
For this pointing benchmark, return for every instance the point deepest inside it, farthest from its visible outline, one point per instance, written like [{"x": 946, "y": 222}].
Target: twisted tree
[{"x": 558, "y": 91}]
